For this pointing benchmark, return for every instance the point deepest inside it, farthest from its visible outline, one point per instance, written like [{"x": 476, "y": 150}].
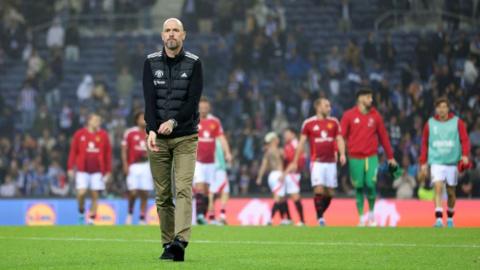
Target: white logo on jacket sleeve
[
  {"x": 184, "y": 75},
  {"x": 356, "y": 121}
]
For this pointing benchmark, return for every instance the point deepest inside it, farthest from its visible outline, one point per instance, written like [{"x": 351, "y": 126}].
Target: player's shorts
[
  {"x": 444, "y": 173},
  {"x": 204, "y": 173},
  {"x": 139, "y": 177},
  {"x": 276, "y": 186},
  {"x": 220, "y": 184},
  {"x": 292, "y": 183},
  {"x": 93, "y": 181},
  {"x": 363, "y": 171},
  {"x": 324, "y": 174}
]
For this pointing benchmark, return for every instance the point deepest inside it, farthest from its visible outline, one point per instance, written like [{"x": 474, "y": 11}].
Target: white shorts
[
  {"x": 290, "y": 185},
  {"x": 324, "y": 174},
  {"x": 444, "y": 173},
  {"x": 139, "y": 177},
  {"x": 220, "y": 184},
  {"x": 204, "y": 173},
  {"x": 93, "y": 181}
]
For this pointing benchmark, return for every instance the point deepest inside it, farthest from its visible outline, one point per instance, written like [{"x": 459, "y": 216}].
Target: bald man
[{"x": 172, "y": 87}]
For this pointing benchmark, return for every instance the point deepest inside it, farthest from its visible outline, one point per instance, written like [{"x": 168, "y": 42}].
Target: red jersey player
[
  {"x": 89, "y": 163},
  {"x": 363, "y": 129},
  {"x": 209, "y": 129},
  {"x": 292, "y": 179},
  {"x": 136, "y": 166},
  {"x": 323, "y": 134}
]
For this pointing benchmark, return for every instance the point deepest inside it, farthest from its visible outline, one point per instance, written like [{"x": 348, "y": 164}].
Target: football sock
[{"x": 299, "y": 206}]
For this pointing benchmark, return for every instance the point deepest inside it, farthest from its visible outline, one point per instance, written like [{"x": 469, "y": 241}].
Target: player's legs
[
  {"x": 225, "y": 195},
  {"x": 81, "y": 194},
  {"x": 292, "y": 182},
  {"x": 143, "y": 194},
  {"x": 451, "y": 177},
  {"x": 371, "y": 186},
  {"x": 278, "y": 191},
  {"x": 93, "y": 206},
  {"x": 201, "y": 179},
  {"x": 81, "y": 185},
  {"x": 357, "y": 174},
  {"x": 211, "y": 206},
  {"x": 132, "y": 194},
  {"x": 438, "y": 175}
]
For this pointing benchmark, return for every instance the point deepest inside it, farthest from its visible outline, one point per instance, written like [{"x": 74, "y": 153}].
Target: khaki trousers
[{"x": 179, "y": 153}]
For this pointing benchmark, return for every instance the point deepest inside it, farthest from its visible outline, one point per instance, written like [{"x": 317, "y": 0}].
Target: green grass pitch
[{"x": 211, "y": 247}]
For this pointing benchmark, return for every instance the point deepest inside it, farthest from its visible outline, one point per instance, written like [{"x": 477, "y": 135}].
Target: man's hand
[
  {"x": 166, "y": 127},
  {"x": 423, "y": 171},
  {"x": 392, "y": 162},
  {"x": 151, "y": 141},
  {"x": 465, "y": 160},
  {"x": 292, "y": 167},
  {"x": 343, "y": 160},
  {"x": 228, "y": 158},
  {"x": 71, "y": 175},
  {"x": 259, "y": 181},
  {"x": 106, "y": 177}
]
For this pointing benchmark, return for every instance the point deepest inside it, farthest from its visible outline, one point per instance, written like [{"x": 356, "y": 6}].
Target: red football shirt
[
  {"x": 134, "y": 139},
  {"x": 90, "y": 151},
  {"x": 362, "y": 133},
  {"x": 321, "y": 134},
  {"x": 208, "y": 130},
  {"x": 289, "y": 154}
]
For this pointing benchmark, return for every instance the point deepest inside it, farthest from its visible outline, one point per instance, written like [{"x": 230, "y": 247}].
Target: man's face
[
  {"x": 442, "y": 110},
  {"x": 288, "y": 135},
  {"x": 324, "y": 108},
  {"x": 173, "y": 34},
  {"x": 204, "y": 109},
  {"x": 366, "y": 101},
  {"x": 94, "y": 122}
]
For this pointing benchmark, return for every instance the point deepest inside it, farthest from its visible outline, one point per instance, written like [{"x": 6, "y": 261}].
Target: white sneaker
[
  {"x": 142, "y": 222},
  {"x": 285, "y": 222},
  {"x": 361, "y": 223},
  {"x": 128, "y": 221},
  {"x": 372, "y": 223},
  {"x": 300, "y": 224},
  {"x": 321, "y": 222},
  {"x": 90, "y": 221}
]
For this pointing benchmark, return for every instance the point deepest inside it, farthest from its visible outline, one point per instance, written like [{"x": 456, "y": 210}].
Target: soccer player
[
  {"x": 273, "y": 161},
  {"x": 323, "y": 134},
  {"x": 89, "y": 163},
  {"x": 445, "y": 143},
  {"x": 292, "y": 180},
  {"x": 136, "y": 167},
  {"x": 209, "y": 129},
  {"x": 362, "y": 127},
  {"x": 220, "y": 186}
]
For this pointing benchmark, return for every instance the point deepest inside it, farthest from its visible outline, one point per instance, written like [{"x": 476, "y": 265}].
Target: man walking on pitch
[
  {"x": 136, "y": 167},
  {"x": 445, "y": 144},
  {"x": 323, "y": 134},
  {"x": 209, "y": 129},
  {"x": 172, "y": 87},
  {"x": 90, "y": 163},
  {"x": 362, "y": 128}
]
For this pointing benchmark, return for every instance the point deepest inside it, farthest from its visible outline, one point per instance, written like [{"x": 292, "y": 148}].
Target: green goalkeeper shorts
[{"x": 363, "y": 172}]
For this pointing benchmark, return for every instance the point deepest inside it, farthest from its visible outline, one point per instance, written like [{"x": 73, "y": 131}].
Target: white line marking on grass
[{"x": 246, "y": 242}]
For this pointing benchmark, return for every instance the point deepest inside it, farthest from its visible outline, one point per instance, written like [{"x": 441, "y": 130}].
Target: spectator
[
  {"x": 65, "y": 118},
  {"x": 424, "y": 58},
  {"x": 72, "y": 42},
  {"x": 125, "y": 84},
  {"x": 475, "y": 135},
  {"x": 344, "y": 23},
  {"x": 57, "y": 180},
  {"x": 370, "y": 48},
  {"x": 56, "y": 35},
  {"x": 27, "y": 105},
  {"x": 387, "y": 53},
  {"x": 8, "y": 188},
  {"x": 34, "y": 65},
  {"x": 405, "y": 184},
  {"x": 470, "y": 72},
  {"x": 85, "y": 89},
  {"x": 352, "y": 54},
  {"x": 43, "y": 121}
]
